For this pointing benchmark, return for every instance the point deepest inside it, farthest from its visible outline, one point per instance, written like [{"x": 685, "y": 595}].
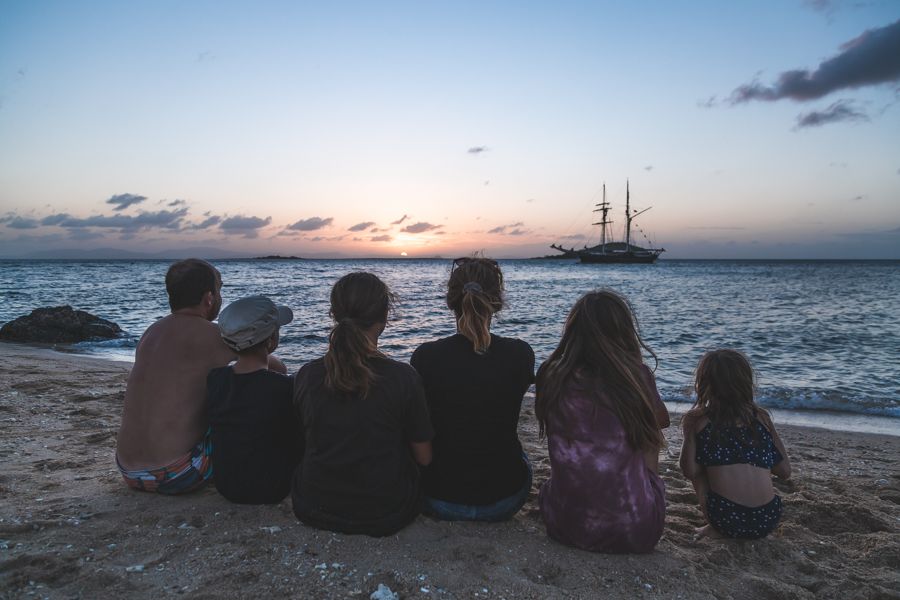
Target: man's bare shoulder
[{"x": 181, "y": 334}]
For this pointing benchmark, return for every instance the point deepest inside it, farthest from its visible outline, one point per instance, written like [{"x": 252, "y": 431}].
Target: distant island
[{"x": 278, "y": 257}]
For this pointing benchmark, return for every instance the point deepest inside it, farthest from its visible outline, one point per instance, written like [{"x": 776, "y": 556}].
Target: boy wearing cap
[{"x": 256, "y": 438}]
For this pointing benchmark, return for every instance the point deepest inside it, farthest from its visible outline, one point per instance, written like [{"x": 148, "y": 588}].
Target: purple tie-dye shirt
[{"x": 600, "y": 496}]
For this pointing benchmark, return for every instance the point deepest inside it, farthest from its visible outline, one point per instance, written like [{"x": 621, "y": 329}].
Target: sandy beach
[{"x": 70, "y": 528}]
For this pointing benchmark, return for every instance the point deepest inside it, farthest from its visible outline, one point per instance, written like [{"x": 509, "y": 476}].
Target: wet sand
[{"x": 70, "y": 528}]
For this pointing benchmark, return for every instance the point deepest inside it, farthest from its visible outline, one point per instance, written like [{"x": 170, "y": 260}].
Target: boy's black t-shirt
[
  {"x": 256, "y": 438},
  {"x": 358, "y": 474},
  {"x": 474, "y": 401}
]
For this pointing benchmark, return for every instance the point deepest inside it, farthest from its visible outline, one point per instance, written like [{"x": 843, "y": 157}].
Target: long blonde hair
[
  {"x": 601, "y": 344},
  {"x": 475, "y": 294},
  {"x": 358, "y": 301}
]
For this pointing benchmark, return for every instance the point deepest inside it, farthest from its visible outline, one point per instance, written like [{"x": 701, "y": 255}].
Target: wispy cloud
[
  {"x": 400, "y": 220},
  {"x": 477, "y": 149},
  {"x": 420, "y": 227},
  {"x": 241, "y": 225},
  {"x": 174, "y": 203},
  {"x": 311, "y": 224},
  {"x": 208, "y": 222},
  {"x": 165, "y": 219},
  {"x": 503, "y": 229},
  {"x": 842, "y": 110},
  {"x": 869, "y": 59},
  {"x": 380, "y": 238},
  {"x": 123, "y": 201},
  {"x": 17, "y": 222},
  {"x": 361, "y": 226}
]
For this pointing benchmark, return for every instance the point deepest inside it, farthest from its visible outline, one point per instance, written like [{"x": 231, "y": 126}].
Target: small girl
[
  {"x": 365, "y": 421},
  {"x": 730, "y": 448},
  {"x": 597, "y": 403}
]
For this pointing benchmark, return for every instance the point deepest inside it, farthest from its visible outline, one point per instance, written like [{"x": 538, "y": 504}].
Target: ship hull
[{"x": 628, "y": 258}]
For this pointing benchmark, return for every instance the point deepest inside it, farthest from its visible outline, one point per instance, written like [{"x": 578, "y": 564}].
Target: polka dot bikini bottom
[{"x": 738, "y": 521}]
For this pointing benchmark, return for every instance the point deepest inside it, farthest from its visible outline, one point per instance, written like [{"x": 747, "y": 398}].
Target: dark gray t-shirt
[
  {"x": 256, "y": 439},
  {"x": 358, "y": 474},
  {"x": 474, "y": 401}
]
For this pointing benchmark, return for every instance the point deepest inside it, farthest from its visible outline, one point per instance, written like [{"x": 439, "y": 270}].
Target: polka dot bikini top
[{"x": 736, "y": 445}]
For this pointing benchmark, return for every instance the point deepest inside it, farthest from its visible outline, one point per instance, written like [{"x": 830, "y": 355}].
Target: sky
[{"x": 358, "y": 129}]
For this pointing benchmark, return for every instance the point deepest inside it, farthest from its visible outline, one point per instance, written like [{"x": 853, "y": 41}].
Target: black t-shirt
[
  {"x": 474, "y": 401},
  {"x": 256, "y": 438},
  {"x": 358, "y": 474}
]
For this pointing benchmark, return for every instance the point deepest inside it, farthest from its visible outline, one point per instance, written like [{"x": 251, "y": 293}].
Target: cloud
[
  {"x": 177, "y": 203},
  {"x": 825, "y": 6},
  {"x": 574, "y": 237},
  {"x": 123, "y": 201},
  {"x": 208, "y": 222},
  {"x": 361, "y": 226},
  {"x": 517, "y": 232},
  {"x": 311, "y": 224},
  {"x": 420, "y": 227},
  {"x": 870, "y": 59},
  {"x": 166, "y": 219},
  {"x": 477, "y": 149},
  {"x": 246, "y": 226},
  {"x": 501, "y": 229},
  {"x": 17, "y": 222},
  {"x": 322, "y": 238},
  {"x": 648, "y": 168},
  {"x": 842, "y": 110},
  {"x": 400, "y": 220},
  {"x": 380, "y": 238},
  {"x": 55, "y": 219},
  {"x": 710, "y": 102}
]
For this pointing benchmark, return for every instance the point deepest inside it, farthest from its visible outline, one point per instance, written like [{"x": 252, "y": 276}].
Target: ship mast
[
  {"x": 603, "y": 208},
  {"x": 627, "y": 217},
  {"x": 630, "y": 217}
]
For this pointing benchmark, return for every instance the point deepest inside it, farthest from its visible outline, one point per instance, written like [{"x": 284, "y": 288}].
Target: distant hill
[{"x": 117, "y": 253}]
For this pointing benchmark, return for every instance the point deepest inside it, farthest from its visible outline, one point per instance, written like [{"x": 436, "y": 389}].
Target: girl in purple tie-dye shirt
[{"x": 598, "y": 406}]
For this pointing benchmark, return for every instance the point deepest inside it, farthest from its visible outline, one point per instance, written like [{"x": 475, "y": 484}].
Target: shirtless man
[{"x": 163, "y": 444}]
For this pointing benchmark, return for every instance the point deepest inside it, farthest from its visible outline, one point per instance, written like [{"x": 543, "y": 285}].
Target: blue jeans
[{"x": 498, "y": 511}]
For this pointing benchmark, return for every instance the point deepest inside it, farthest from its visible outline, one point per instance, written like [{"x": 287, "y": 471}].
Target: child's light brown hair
[{"x": 724, "y": 383}]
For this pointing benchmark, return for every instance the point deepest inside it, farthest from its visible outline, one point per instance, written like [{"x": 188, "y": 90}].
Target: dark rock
[{"x": 58, "y": 324}]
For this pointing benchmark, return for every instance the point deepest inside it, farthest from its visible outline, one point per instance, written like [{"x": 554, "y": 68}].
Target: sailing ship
[{"x": 609, "y": 251}]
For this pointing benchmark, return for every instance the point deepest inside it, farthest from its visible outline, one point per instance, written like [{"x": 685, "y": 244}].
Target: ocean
[{"x": 822, "y": 335}]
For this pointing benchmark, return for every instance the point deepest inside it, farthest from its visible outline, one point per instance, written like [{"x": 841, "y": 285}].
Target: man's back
[{"x": 164, "y": 414}]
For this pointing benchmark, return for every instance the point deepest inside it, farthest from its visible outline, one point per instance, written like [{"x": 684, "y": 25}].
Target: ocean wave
[{"x": 800, "y": 399}]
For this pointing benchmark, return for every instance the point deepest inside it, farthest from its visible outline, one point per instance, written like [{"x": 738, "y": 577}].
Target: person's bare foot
[{"x": 707, "y": 531}]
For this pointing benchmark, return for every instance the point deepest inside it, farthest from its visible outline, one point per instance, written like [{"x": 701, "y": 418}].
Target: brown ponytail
[
  {"x": 358, "y": 302},
  {"x": 474, "y": 294}
]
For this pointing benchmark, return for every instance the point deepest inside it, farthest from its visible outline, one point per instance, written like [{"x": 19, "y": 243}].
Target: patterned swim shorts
[{"x": 184, "y": 475}]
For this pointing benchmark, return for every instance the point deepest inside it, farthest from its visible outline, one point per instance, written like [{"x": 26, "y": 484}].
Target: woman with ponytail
[
  {"x": 597, "y": 403},
  {"x": 365, "y": 419},
  {"x": 474, "y": 383}
]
